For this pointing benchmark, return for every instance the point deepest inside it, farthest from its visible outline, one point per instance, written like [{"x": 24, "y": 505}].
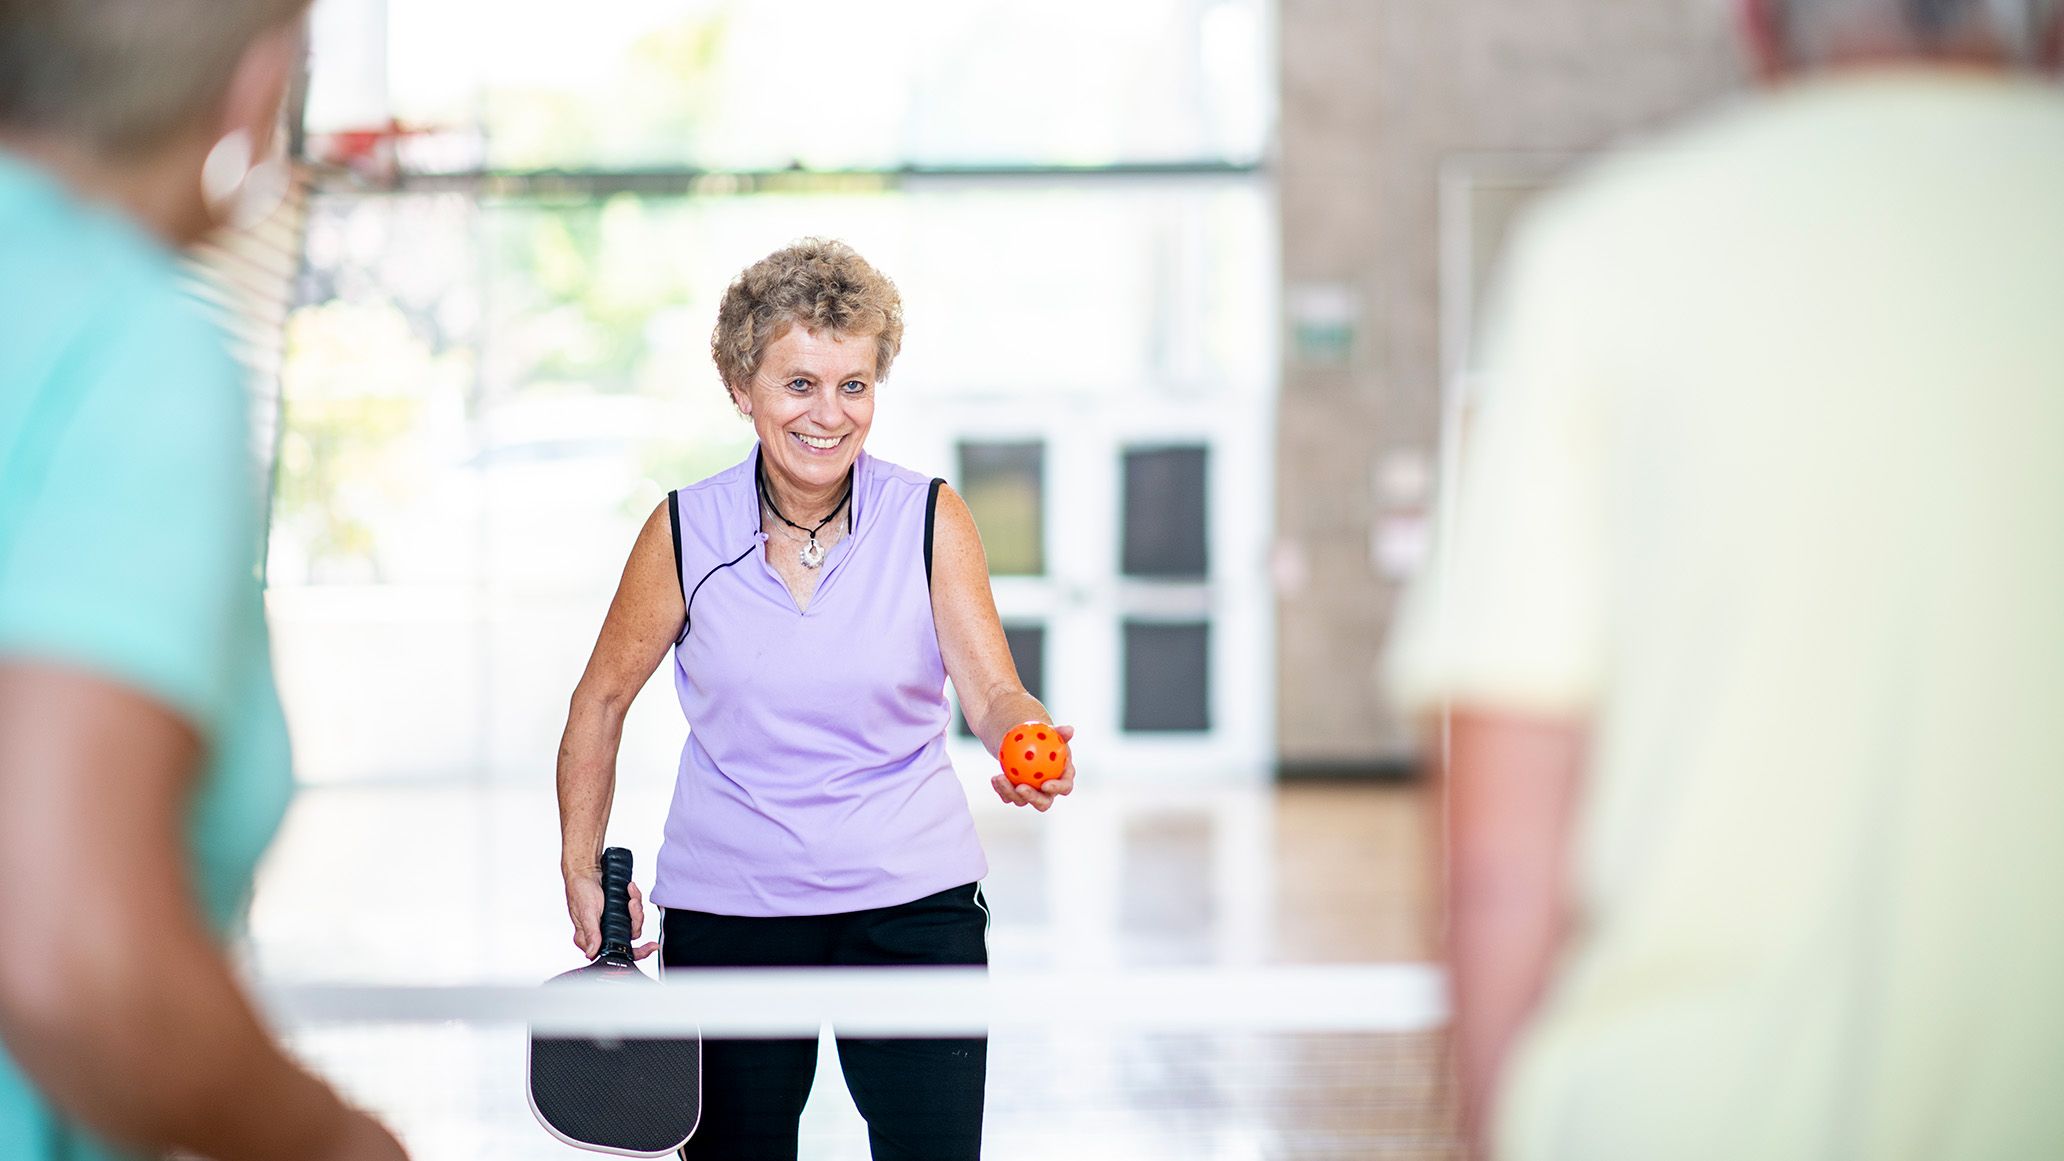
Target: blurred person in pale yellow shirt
[{"x": 1749, "y": 621}]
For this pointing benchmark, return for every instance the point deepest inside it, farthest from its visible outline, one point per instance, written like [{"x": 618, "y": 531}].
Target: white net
[{"x": 1342, "y": 1062}]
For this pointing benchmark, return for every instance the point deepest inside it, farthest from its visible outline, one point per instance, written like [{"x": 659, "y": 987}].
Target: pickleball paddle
[{"x": 634, "y": 1097}]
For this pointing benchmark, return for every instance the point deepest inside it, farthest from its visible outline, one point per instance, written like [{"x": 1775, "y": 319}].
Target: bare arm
[
  {"x": 977, "y": 655},
  {"x": 1511, "y": 784},
  {"x": 114, "y": 996},
  {"x": 644, "y": 621}
]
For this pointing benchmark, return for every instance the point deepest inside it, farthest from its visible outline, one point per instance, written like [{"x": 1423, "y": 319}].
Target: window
[
  {"x": 1167, "y": 676},
  {"x": 1165, "y": 506},
  {"x": 815, "y": 84},
  {"x": 1004, "y": 485},
  {"x": 498, "y": 360}
]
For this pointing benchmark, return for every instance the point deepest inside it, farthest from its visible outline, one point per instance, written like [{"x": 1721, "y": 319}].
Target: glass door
[{"x": 1127, "y": 550}]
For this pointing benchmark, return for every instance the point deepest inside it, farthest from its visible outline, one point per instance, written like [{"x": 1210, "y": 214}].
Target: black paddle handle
[{"x": 616, "y": 905}]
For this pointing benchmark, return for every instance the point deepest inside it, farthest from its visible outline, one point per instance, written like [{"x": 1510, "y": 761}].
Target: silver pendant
[{"x": 812, "y": 554}]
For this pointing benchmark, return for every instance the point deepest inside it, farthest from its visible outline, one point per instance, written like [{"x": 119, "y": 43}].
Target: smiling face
[{"x": 811, "y": 400}]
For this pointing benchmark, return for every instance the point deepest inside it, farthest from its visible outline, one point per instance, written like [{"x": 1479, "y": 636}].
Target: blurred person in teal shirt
[{"x": 143, "y": 755}]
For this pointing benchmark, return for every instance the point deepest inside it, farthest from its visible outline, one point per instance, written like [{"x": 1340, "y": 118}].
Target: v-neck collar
[{"x": 834, "y": 557}]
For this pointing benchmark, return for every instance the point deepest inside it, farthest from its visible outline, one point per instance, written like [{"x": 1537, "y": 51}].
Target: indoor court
[
  {"x": 503, "y": 255},
  {"x": 1561, "y": 645}
]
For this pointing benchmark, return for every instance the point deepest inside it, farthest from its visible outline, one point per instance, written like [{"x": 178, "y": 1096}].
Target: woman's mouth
[{"x": 818, "y": 442}]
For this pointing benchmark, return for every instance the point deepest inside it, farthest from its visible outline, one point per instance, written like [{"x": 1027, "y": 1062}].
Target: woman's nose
[{"x": 824, "y": 407}]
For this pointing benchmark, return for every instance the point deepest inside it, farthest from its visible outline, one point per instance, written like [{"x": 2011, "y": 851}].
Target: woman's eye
[
  {"x": 855, "y": 387},
  {"x": 798, "y": 384}
]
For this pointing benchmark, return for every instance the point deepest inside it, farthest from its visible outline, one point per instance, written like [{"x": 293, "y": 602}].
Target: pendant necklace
[{"x": 812, "y": 554}]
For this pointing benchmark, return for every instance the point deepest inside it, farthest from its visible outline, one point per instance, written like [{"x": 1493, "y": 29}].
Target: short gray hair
[
  {"x": 819, "y": 284},
  {"x": 2019, "y": 27},
  {"x": 123, "y": 76}
]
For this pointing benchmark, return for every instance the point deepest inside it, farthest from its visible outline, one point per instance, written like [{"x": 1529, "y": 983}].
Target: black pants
[{"x": 922, "y": 1098}]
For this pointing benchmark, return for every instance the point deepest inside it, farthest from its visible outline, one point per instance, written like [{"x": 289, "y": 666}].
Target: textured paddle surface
[{"x": 625, "y": 1096}]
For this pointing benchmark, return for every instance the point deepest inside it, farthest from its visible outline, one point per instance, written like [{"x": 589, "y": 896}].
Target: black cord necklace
[{"x": 812, "y": 554}]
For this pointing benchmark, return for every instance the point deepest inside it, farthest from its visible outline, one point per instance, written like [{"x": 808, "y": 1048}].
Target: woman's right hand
[
  {"x": 584, "y": 907},
  {"x": 645, "y": 619}
]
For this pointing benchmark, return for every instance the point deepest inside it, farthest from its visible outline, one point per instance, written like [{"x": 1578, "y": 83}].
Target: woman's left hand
[{"x": 1043, "y": 797}]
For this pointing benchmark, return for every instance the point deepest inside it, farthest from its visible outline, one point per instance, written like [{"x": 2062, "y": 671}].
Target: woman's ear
[
  {"x": 740, "y": 399},
  {"x": 258, "y": 85}
]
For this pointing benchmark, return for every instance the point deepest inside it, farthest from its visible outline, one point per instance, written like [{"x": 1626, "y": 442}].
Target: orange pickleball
[{"x": 1033, "y": 754}]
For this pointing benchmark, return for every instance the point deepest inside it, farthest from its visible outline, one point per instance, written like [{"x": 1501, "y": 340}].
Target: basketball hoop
[{"x": 378, "y": 155}]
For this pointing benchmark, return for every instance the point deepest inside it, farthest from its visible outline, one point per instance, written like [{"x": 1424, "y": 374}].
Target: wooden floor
[
  {"x": 1298, "y": 874},
  {"x": 1352, "y": 865}
]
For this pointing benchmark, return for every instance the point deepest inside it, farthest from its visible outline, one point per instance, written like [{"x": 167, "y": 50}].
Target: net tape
[{"x": 917, "y": 1001}]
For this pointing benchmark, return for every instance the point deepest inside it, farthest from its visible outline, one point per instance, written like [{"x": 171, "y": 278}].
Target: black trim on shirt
[
  {"x": 931, "y": 517},
  {"x": 673, "y": 511}
]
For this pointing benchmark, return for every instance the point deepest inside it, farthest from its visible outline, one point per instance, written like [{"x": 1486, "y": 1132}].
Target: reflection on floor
[{"x": 458, "y": 883}]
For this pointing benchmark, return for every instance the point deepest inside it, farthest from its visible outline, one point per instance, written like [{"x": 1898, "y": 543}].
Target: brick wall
[{"x": 1376, "y": 96}]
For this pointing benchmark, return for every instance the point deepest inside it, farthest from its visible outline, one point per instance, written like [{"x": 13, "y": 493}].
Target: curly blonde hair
[{"x": 818, "y": 284}]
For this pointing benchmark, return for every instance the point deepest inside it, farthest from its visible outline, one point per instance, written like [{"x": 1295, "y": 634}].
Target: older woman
[
  {"x": 143, "y": 759},
  {"x": 815, "y": 600}
]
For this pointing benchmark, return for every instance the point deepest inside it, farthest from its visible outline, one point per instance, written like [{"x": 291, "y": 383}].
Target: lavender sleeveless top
[{"x": 815, "y": 778}]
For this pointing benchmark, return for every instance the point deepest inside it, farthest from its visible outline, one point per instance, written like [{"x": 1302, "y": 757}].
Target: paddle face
[{"x": 630, "y": 1097}]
